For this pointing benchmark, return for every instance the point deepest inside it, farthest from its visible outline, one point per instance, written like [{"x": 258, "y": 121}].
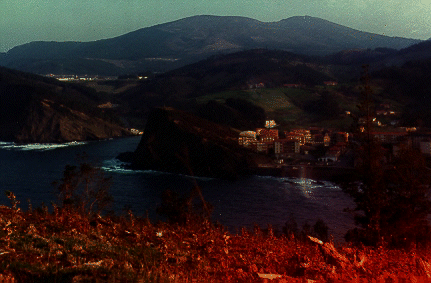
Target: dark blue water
[{"x": 28, "y": 171}]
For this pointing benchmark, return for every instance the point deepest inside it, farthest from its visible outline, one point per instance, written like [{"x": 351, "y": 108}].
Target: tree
[
  {"x": 84, "y": 189},
  {"x": 182, "y": 210},
  {"x": 319, "y": 229},
  {"x": 392, "y": 198},
  {"x": 408, "y": 191}
]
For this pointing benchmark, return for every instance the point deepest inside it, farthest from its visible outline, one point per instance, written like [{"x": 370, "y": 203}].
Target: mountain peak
[{"x": 206, "y": 21}]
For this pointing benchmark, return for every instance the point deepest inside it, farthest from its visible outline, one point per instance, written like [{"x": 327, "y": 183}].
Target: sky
[{"x": 23, "y": 21}]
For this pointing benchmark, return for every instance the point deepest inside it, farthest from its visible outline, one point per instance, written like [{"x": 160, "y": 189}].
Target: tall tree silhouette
[{"x": 392, "y": 198}]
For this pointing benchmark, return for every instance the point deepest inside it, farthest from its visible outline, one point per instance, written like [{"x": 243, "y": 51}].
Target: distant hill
[
  {"x": 240, "y": 71},
  {"x": 414, "y": 52},
  {"x": 381, "y": 57},
  {"x": 243, "y": 89},
  {"x": 41, "y": 110},
  {"x": 284, "y": 86},
  {"x": 410, "y": 83},
  {"x": 171, "y": 45}
]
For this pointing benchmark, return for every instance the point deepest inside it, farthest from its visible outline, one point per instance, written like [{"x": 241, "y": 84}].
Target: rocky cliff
[
  {"x": 35, "y": 109},
  {"x": 180, "y": 142},
  {"x": 47, "y": 122}
]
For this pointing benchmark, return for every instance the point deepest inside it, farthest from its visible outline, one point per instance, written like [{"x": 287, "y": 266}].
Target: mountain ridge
[{"x": 174, "y": 44}]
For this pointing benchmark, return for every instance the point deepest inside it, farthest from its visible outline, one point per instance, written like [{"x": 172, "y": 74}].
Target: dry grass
[{"x": 62, "y": 246}]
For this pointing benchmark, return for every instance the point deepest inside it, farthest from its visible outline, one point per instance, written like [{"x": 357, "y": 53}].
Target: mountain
[
  {"x": 36, "y": 109},
  {"x": 171, "y": 45}
]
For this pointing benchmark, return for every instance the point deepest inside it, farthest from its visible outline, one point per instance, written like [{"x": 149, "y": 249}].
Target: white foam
[
  {"x": 117, "y": 166},
  {"x": 37, "y": 146}
]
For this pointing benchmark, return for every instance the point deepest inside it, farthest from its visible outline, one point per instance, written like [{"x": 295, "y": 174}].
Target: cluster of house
[
  {"x": 269, "y": 140},
  {"x": 71, "y": 78},
  {"x": 404, "y": 137},
  {"x": 136, "y": 132},
  {"x": 281, "y": 144}
]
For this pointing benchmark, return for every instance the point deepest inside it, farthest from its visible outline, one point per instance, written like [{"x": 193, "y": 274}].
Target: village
[{"x": 315, "y": 146}]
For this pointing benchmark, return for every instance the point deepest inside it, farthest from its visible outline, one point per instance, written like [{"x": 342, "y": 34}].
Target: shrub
[
  {"x": 318, "y": 230},
  {"x": 181, "y": 210}
]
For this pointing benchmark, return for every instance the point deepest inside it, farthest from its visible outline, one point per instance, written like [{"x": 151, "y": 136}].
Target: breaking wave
[
  {"x": 37, "y": 146},
  {"x": 116, "y": 166}
]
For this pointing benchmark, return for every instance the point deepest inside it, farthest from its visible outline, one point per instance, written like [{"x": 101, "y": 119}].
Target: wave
[
  {"x": 116, "y": 166},
  {"x": 301, "y": 181},
  {"x": 309, "y": 188},
  {"x": 37, "y": 146}
]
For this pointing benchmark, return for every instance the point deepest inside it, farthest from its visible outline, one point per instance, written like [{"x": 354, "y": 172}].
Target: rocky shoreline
[{"x": 180, "y": 142}]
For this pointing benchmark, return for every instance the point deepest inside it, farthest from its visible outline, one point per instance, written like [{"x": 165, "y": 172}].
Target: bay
[{"x": 28, "y": 171}]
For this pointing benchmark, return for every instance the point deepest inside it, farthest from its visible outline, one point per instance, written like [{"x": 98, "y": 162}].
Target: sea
[{"x": 29, "y": 171}]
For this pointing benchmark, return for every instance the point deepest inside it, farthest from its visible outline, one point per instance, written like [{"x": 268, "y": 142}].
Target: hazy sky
[{"x": 23, "y": 21}]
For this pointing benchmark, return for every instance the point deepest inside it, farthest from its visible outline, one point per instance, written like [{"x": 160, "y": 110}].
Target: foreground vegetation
[{"x": 66, "y": 246}]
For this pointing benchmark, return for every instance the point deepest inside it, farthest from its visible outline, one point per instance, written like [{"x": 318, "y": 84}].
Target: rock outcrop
[
  {"x": 35, "y": 109},
  {"x": 180, "y": 142},
  {"x": 49, "y": 122}
]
